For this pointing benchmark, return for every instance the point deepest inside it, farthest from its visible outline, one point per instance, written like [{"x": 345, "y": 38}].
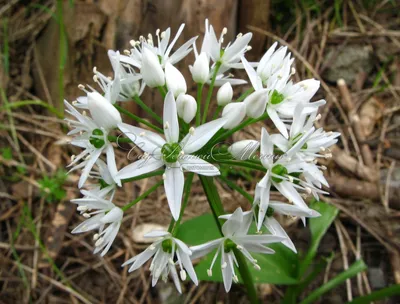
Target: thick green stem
[
  {"x": 147, "y": 109},
  {"x": 247, "y": 279},
  {"x": 199, "y": 97},
  {"x": 210, "y": 91},
  {"x": 144, "y": 195},
  {"x": 215, "y": 203},
  {"x": 138, "y": 119},
  {"x": 162, "y": 90}
]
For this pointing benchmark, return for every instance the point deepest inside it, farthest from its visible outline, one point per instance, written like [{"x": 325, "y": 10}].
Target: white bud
[
  {"x": 225, "y": 94},
  {"x": 113, "y": 216},
  {"x": 244, "y": 149},
  {"x": 152, "y": 72},
  {"x": 176, "y": 83},
  {"x": 186, "y": 107},
  {"x": 234, "y": 113},
  {"x": 201, "y": 70},
  {"x": 256, "y": 103},
  {"x": 103, "y": 112}
]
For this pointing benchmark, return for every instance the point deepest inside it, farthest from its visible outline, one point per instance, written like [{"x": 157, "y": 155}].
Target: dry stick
[
  {"x": 345, "y": 161},
  {"x": 343, "y": 248},
  {"x": 358, "y": 256},
  {"x": 355, "y": 122},
  {"x": 357, "y": 253},
  {"x": 387, "y": 186}
]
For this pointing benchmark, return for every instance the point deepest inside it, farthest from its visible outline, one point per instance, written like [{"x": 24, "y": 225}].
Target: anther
[
  {"x": 94, "y": 69},
  {"x": 82, "y": 208},
  {"x": 132, "y": 43},
  {"x": 86, "y": 215},
  {"x": 239, "y": 247},
  {"x": 248, "y": 48},
  {"x": 164, "y": 176},
  {"x": 81, "y": 86},
  {"x": 209, "y": 272},
  {"x": 183, "y": 275},
  {"x": 96, "y": 237},
  {"x": 293, "y": 71},
  {"x": 95, "y": 78},
  {"x": 191, "y": 131},
  {"x": 328, "y": 155},
  {"x": 99, "y": 242},
  {"x": 235, "y": 278},
  {"x": 318, "y": 117},
  {"x": 257, "y": 267},
  {"x": 127, "y": 52},
  {"x": 73, "y": 156}
]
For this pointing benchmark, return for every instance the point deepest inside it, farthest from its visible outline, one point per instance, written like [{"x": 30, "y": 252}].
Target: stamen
[
  {"x": 183, "y": 275},
  {"x": 257, "y": 267},
  {"x": 290, "y": 178},
  {"x": 96, "y": 237},
  {"x": 81, "y": 87},
  {"x": 191, "y": 130},
  {"x": 318, "y": 117},
  {"x": 322, "y": 149},
  {"x": 95, "y": 78},
  {"x": 132, "y": 43},
  {"x": 86, "y": 215},
  {"x": 94, "y": 69},
  {"x": 82, "y": 208},
  {"x": 157, "y": 32},
  {"x": 171, "y": 262},
  {"x": 166, "y": 125},
  {"x": 99, "y": 242},
  {"x": 239, "y": 35},
  {"x": 127, "y": 52},
  {"x": 164, "y": 176},
  {"x": 209, "y": 272},
  {"x": 73, "y": 156},
  {"x": 293, "y": 71},
  {"x": 248, "y": 48},
  {"x": 328, "y": 155},
  {"x": 239, "y": 247},
  {"x": 235, "y": 278}
]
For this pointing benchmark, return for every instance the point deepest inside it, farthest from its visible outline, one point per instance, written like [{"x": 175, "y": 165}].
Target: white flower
[
  {"x": 164, "y": 251},
  {"x": 235, "y": 236},
  {"x": 105, "y": 213},
  {"x": 272, "y": 62},
  {"x": 92, "y": 134},
  {"x": 163, "y": 49},
  {"x": 225, "y": 94},
  {"x": 234, "y": 113},
  {"x": 171, "y": 153},
  {"x": 228, "y": 56},
  {"x": 286, "y": 209},
  {"x": 175, "y": 80},
  {"x": 151, "y": 70},
  {"x": 201, "y": 69},
  {"x": 281, "y": 96},
  {"x": 186, "y": 107},
  {"x": 281, "y": 173},
  {"x": 244, "y": 149}
]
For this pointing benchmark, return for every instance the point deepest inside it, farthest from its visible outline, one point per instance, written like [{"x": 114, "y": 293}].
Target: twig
[{"x": 343, "y": 248}]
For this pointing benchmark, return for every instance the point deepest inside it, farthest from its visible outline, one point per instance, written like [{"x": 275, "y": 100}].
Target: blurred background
[{"x": 49, "y": 47}]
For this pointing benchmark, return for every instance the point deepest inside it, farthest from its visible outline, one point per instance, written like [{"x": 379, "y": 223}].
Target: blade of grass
[
  {"x": 41, "y": 103},
  {"x": 378, "y": 295},
  {"x": 339, "y": 279}
]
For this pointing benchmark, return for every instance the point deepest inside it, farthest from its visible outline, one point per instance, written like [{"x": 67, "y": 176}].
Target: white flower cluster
[{"x": 288, "y": 159}]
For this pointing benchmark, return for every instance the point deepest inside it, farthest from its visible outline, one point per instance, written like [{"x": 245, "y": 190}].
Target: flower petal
[
  {"x": 173, "y": 184},
  {"x": 275, "y": 228},
  {"x": 170, "y": 118},
  {"x": 197, "y": 165},
  {"x": 139, "y": 167}
]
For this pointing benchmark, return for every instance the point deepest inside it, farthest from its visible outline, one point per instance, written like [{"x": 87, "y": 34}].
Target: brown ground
[{"x": 359, "y": 41}]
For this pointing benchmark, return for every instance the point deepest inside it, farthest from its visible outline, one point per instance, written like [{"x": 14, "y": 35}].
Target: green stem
[
  {"x": 245, "y": 274},
  {"x": 339, "y": 279},
  {"x": 378, "y": 295},
  {"x": 244, "y": 95},
  {"x": 186, "y": 190},
  {"x": 162, "y": 91},
  {"x": 210, "y": 91},
  {"x": 147, "y": 109},
  {"x": 118, "y": 139},
  {"x": 138, "y": 119},
  {"x": 215, "y": 203},
  {"x": 219, "y": 108},
  {"x": 238, "y": 163},
  {"x": 199, "y": 97},
  {"x": 144, "y": 195},
  {"x": 236, "y": 188},
  {"x": 240, "y": 126},
  {"x": 146, "y": 175}
]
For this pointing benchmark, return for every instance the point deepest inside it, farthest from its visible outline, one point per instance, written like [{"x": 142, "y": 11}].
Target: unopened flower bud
[
  {"x": 256, "y": 103},
  {"x": 186, "y": 107},
  {"x": 201, "y": 70},
  {"x": 234, "y": 113},
  {"x": 225, "y": 94},
  {"x": 175, "y": 81},
  {"x": 243, "y": 149},
  {"x": 152, "y": 72},
  {"x": 103, "y": 112}
]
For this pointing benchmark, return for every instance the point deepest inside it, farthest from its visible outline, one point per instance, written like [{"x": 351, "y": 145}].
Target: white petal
[
  {"x": 201, "y": 135},
  {"x": 254, "y": 79},
  {"x": 114, "y": 215},
  {"x": 227, "y": 273},
  {"x": 233, "y": 224},
  {"x": 173, "y": 184},
  {"x": 187, "y": 264},
  {"x": 142, "y": 166},
  {"x": 197, "y": 165},
  {"x": 203, "y": 249},
  {"x": 277, "y": 121},
  {"x": 274, "y": 227},
  {"x": 146, "y": 140},
  {"x": 267, "y": 149},
  {"x": 170, "y": 119},
  {"x": 156, "y": 233},
  {"x": 88, "y": 166},
  {"x": 287, "y": 189}
]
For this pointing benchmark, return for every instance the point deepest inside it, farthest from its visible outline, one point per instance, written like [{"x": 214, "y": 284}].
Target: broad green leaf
[
  {"x": 318, "y": 227},
  {"x": 278, "y": 268}
]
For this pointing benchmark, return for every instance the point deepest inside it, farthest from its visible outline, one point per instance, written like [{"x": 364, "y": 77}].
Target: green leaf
[
  {"x": 278, "y": 268},
  {"x": 7, "y": 153},
  {"x": 318, "y": 227}
]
